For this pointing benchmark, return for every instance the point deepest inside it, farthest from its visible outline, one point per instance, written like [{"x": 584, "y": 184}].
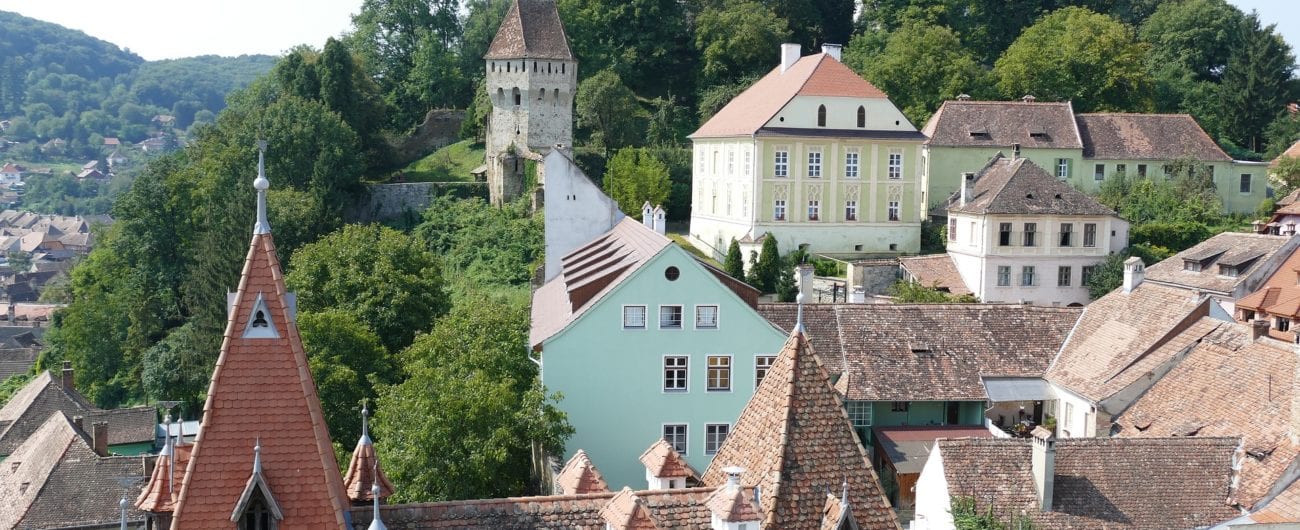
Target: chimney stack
[
  {"x": 1258, "y": 328},
  {"x": 648, "y": 215},
  {"x": 967, "y": 188},
  {"x": 661, "y": 221},
  {"x": 1134, "y": 272},
  {"x": 1043, "y": 466},
  {"x": 832, "y": 50},
  {"x": 1015, "y": 151},
  {"x": 963, "y": 97},
  {"x": 99, "y": 433},
  {"x": 68, "y": 382},
  {"x": 79, "y": 422},
  {"x": 1028, "y": 98},
  {"x": 803, "y": 275},
  {"x": 789, "y": 56}
]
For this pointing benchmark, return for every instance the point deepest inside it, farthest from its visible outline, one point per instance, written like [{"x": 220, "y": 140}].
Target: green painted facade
[
  {"x": 868, "y": 414},
  {"x": 135, "y": 449},
  {"x": 612, "y": 379},
  {"x": 944, "y": 166}
]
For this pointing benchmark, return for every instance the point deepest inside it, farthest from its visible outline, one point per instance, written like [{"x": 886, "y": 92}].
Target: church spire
[{"x": 261, "y": 184}]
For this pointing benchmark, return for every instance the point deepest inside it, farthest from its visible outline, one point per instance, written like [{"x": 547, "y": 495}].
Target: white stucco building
[
  {"x": 1017, "y": 234},
  {"x": 816, "y": 156},
  {"x": 576, "y": 210}
]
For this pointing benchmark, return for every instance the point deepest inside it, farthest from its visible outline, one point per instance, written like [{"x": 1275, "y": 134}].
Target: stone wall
[
  {"x": 874, "y": 276},
  {"x": 441, "y": 127},
  {"x": 387, "y": 202}
]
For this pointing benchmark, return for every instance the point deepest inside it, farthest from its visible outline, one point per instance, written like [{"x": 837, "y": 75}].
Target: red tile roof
[
  {"x": 1280, "y": 293},
  {"x": 1291, "y": 152},
  {"x": 794, "y": 440},
  {"x": 813, "y": 75},
  {"x": 935, "y": 270},
  {"x": 731, "y": 504},
  {"x": 662, "y": 461},
  {"x": 159, "y": 493},
  {"x": 580, "y": 476},
  {"x": 1017, "y": 186},
  {"x": 626, "y": 512},
  {"x": 1125, "y": 136},
  {"x": 262, "y": 389},
  {"x": 531, "y": 29},
  {"x": 363, "y": 469}
]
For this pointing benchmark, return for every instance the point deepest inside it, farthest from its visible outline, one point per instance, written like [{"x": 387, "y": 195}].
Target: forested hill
[{"x": 57, "y": 82}]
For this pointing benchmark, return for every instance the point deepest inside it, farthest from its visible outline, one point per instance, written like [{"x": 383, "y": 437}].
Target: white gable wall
[
  {"x": 841, "y": 113},
  {"x": 576, "y": 210},
  {"x": 933, "y": 502}
]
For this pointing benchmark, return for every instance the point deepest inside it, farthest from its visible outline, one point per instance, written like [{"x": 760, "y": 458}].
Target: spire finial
[
  {"x": 257, "y": 456},
  {"x": 844, "y": 495},
  {"x": 261, "y": 184},
  {"x": 365, "y": 422},
  {"x": 376, "y": 523},
  {"x": 798, "y": 323}
]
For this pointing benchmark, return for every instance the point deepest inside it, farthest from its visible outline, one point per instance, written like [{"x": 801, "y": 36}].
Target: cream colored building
[{"x": 816, "y": 156}]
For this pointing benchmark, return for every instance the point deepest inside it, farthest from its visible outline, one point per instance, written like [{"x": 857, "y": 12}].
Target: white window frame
[
  {"x": 1028, "y": 276},
  {"x": 1089, "y": 242},
  {"x": 1029, "y": 238},
  {"x": 708, "y": 373},
  {"x": 762, "y": 364},
  {"x": 731, "y": 161},
  {"x": 1099, "y": 172},
  {"x": 712, "y": 442},
  {"x": 1004, "y": 276},
  {"x": 814, "y": 162},
  {"x": 779, "y": 212},
  {"x": 681, "y": 316},
  {"x": 852, "y": 163},
  {"x": 747, "y": 161},
  {"x": 860, "y": 412},
  {"x": 685, "y": 436},
  {"x": 851, "y": 210},
  {"x": 644, "y": 317},
  {"x": 1064, "y": 275},
  {"x": 895, "y": 211},
  {"x": 814, "y": 209},
  {"x": 1062, "y": 168},
  {"x": 1065, "y": 238},
  {"x": 716, "y": 314},
  {"x": 685, "y": 374},
  {"x": 781, "y": 162},
  {"x": 895, "y": 165}
]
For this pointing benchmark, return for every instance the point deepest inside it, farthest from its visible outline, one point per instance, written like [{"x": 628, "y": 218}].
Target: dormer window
[
  {"x": 1229, "y": 271},
  {"x": 821, "y": 115},
  {"x": 1037, "y": 132},
  {"x": 261, "y": 322},
  {"x": 1191, "y": 265},
  {"x": 257, "y": 516},
  {"x": 979, "y": 132}
]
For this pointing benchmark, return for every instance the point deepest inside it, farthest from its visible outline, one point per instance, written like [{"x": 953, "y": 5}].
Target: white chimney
[
  {"x": 803, "y": 275},
  {"x": 1134, "y": 272},
  {"x": 832, "y": 50},
  {"x": 661, "y": 220},
  {"x": 648, "y": 215},
  {"x": 1043, "y": 466},
  {"x": 1028, "y": 98},
  {"x": 967, "y": 188},
  {"x": 857, "y": 295},
  {"x": 789, "y": 56}
]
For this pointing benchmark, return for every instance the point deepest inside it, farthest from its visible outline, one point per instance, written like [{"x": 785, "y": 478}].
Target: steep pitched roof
[
  {"x": 1247, "y": 253},
  {"x": 935, "y": 270},
  {"x": 1243, "y": 388},
  {"x": 159, "y": 493},
  {"x": 28, "y": 409},
  {"x": 55, "y": 480},
  {"x": 531, "y": 30},
  {"x": 1171, "y": 483},
  {"x": 593, "y": 270},
  {"x": 794, "y": 441},
  {"x": 626, "y": 512},
  {"x": 580, "y": 476},
  {"x": 812, "y": 75},
  {"x": 1280, "y": 293},
  {"x": 662, "y": 461},
  {"x": 1291, "y": 152},
  {"x": 1122, "y": 336},
  {"x": 262, "y": 389},
  {"x": 1018, "y": 186},
  {"x": 1123, "y": 136},
  {"x": 1000, "y": 124},
  {"x": 731, "y": 504},
  {"x": 932, "y": 351},
  {"x": 364, "y": 469}
]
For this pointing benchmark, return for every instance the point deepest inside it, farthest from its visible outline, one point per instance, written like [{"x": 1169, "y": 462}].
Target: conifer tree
[
  {"x": 768, "y": 267},
  {"x": 734, "y": 264}
]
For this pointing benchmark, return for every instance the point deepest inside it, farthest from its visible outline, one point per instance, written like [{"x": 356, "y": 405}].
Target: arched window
[
  {"x": 534, "y": 67},
  {"x": 541, "y": 95},
  {"x": 821, "y": 115},
  {"x": 507, "y": 67},
  {"x": 548, "y": 68},
  {"x": 494, "y": 66},
  {"x": 862, "y": 116},
  {"x": 561, "y": 68},
  {"x": 501, "y": 97},
  {"x": 518, "y": 97},
  {"x": 555, "y": 98}
]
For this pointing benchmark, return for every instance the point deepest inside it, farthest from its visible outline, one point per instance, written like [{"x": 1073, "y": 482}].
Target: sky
[{"x": 185, "y": 28}]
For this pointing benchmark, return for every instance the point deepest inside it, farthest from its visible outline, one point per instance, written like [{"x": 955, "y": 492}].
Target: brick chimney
[
  {"x": 1043, "y": 466},
  {"x": 79, "y": 423},
  {"x": 789, "y": 55},
  {"x": 832, "y": 50},
  {"x": 1258, "y": 328},
  {"x": 99, "y": 433},
  {"x": 68, "y": 382},
  {"x": 1134, "y": 272},
  {"x": 967, "y": 188}
]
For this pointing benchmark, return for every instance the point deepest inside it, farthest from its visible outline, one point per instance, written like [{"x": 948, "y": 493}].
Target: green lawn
[
  {"x": 449, "y": 164},
  {"x": 682, "y": 242}
]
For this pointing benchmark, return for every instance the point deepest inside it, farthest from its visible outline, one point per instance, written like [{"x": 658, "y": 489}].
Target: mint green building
[
  {"x": 1082, "y": 149},
  {"x": 646, "y": 342}
]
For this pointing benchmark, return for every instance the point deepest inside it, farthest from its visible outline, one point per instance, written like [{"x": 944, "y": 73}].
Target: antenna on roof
[
  {"x": 376, "y": 523},
  {"x": 261, "y": 184},
  {"x": 167, "y": 442}
]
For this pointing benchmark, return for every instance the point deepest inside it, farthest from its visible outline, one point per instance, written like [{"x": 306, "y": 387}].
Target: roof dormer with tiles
[{"x": 262, "y": 396}]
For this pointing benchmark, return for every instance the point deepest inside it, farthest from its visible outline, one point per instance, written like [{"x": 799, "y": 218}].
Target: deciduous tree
[{"x": 635, "y": 177}]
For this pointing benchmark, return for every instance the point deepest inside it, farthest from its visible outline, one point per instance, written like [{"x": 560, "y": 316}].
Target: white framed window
[
  {"x": 895, "y": 164},
  {"x": 719, "y": 373},
  {"x": 1067, "y": 235},
  {"x": 1004, "y": 234},
  {"x": 778, "y": 210},
  {"x": 699, "y": 160},
  {"x": 675, "y": 373},
  {"x": 852, "y": 162},
  {"x": 1027, "y": 278},
  {"x": 850, "y": 210},
  {"x": 895, "y": 211},
  {"x": 1063, "y": 276},
  {"x": 952, "y": 230},
  {"x": 728, "y": 199},
  {"x": 747, "y": 161},
  {"x": 1004, "y": 276},
  {"x": 706, "y": 317},
  {"x": 1090, "y": 234},
  {"x": 675, "y": 435},
  {"x": 1099, "y": 172},
  {"x": 633, "y": 317},
  {"x": 974, "y": 235},
  {"x": 670, "y": 317},
  {"x": 1244, "y": 185},
  {"x": 731, "y": 161},
  {"x": 714, "y": 435},
  {"x": 781, "y": 163},
  {"x": 762, "y": 363},
  {"x": 814, "y": 162},
  {"x": 814, "y": 209},
  {"x": 859, "y": 412},
  {"x": 1031, "y": 231},
  {"x": 1067, "y": 418},
  {"x": 1062, "y": 168},
  {"x": 714, "y": 169}
]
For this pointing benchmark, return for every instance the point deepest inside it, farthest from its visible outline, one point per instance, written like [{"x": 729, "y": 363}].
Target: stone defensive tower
[{"x": 531, "y": 80}]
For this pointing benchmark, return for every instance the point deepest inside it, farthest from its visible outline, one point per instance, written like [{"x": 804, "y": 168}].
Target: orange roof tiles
[
  {"x": 1280, "y": 293},
  {"x": 159, "y": 493},
  {"x": 730, "y": 503},
  {"x": 813, "y": 75},
  {"x": 663, "y": 461},
  {"x": 262, "y": 389},
  {"x": 1291, "y": 152},
  {"x": 794, "y": 440},
  {"x": 935, "y": 270},
  {"x": 626, "y": 512},
  {"x": 580, "y": 476},
  {"x": 363, "y": 472}
]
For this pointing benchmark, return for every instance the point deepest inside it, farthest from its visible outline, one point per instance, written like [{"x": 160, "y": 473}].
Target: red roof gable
[{"x": 262, "y": 390}]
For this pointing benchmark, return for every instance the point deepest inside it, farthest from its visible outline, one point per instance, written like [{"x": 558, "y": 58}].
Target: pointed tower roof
[
  {"x": 795, "y": 442},
  {"x": 531, "y": 30},
  {"x": 364, "y": 470},
  {"x": 580, "y": 476},
  {"x": 626, "y": 512},
  {"x": 262, "y": 391},
  {"x": 662, "y": 461},
  {"x": 159, "y": 494}
]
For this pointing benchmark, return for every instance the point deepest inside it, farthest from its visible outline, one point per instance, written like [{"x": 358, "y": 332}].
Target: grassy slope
[{"x": 449, "y": 164}]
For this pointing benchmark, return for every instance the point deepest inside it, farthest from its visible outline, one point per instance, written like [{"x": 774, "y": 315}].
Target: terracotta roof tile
[
  {"x": 662, "y": 461},
  {"x": 1291, "y": 152},
  {"x": 1120, "y": 136},
  {"x": 580, "y": 476},
  {"x": 1242, "y": 388},
  {"x": 531, "y": 29},
  {"x": 1280, "y": 293},
  {"x": 363, "y": 469},
  {"x": 812, "y": 75},
  {"x": 1018, "y": 186},
  {"x": 626, "y": 512},
  {"x": 1232, "y": 246},
  {"x": 159, "y": 493},
  {"x": 1172, "y": 483},
  {"x": 935, "y": 270},
  {"x": 999, "y": 124},
  {"x": 794, "y": 441},
  {"x": 933, "y": 351},
  {"x": 262, "y": 390},
  {"x": 731, "y": 504}
]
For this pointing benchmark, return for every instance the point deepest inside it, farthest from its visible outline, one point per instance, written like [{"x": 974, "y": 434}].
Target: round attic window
[
  {"x": 782, "y": 118},
  {"x": 672, "y": 273}
]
